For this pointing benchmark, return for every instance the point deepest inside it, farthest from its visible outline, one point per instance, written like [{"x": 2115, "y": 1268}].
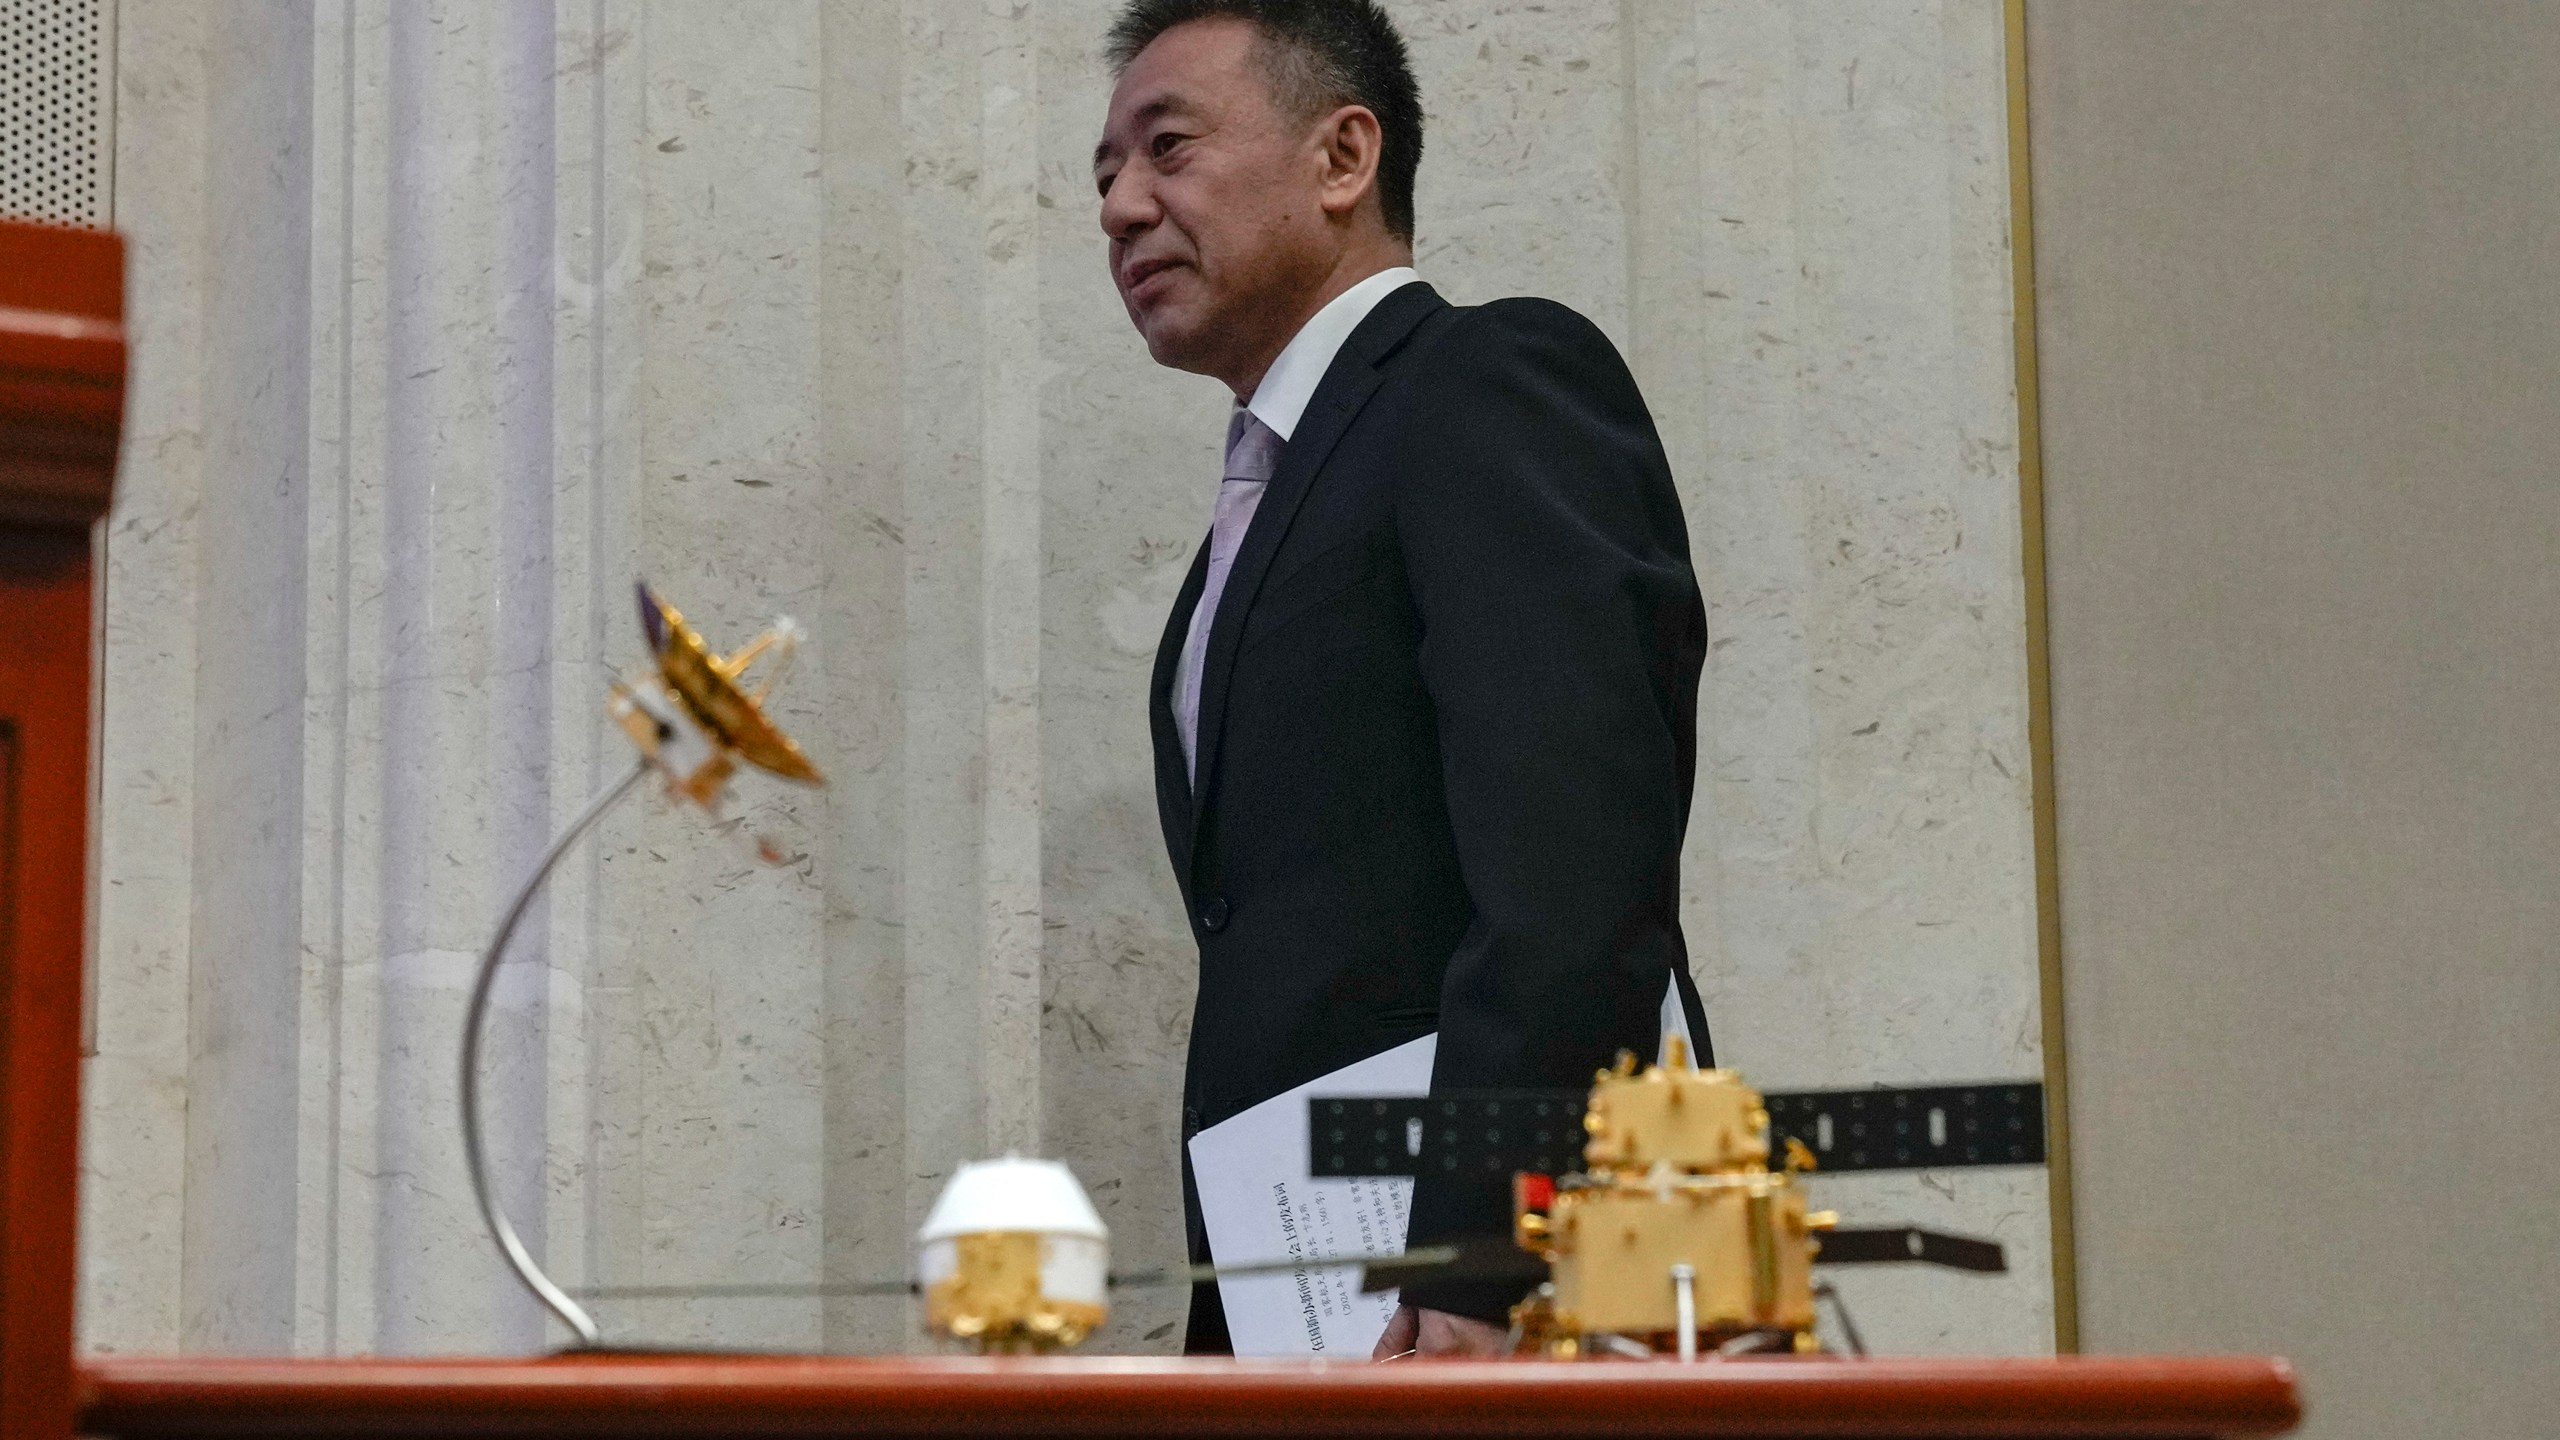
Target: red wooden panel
[
  {"x": 1087, "y": 1399},
  {"x": 44, "y": 794},
  {"x": 61, "y": 402},
  {"x": 61, "y": 372},
  {"x": 63, "y": 270}
]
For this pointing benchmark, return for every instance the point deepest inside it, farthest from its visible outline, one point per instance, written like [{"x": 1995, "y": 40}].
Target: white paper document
[{"x": 1260, "y": 1204}]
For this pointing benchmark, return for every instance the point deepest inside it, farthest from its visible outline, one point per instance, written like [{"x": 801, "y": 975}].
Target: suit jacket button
[{"x": 1213, "y": 916}]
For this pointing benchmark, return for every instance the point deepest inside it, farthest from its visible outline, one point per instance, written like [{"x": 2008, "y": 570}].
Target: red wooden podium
[
  {"x": 61, "y": 397},
  {"x": 61, "y": 408}
]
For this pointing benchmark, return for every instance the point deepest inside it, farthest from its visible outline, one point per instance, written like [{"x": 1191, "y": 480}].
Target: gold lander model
[
  {"x": 1651, "y": 1202},
  {"x": 1677, "y": 1230}
]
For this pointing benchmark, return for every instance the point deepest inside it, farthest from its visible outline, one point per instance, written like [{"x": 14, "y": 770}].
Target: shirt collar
[{"x": 1291, "y": 381}]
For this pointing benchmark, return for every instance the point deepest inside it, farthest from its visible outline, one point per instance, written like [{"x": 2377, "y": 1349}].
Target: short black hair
[{"x": 1317, "y": 54}]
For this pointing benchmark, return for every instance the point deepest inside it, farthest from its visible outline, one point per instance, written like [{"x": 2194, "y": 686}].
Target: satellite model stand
[{"x": 693, "y": 722}]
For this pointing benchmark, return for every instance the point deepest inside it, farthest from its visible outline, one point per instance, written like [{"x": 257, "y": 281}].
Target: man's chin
[{"x": 1174, "y": 345}]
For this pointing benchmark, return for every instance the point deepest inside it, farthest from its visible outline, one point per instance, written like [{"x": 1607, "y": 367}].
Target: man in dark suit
[{"x": 1425, "y": 711}]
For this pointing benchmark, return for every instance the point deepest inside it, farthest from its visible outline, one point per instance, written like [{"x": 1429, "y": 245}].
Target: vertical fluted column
[
  {"x": 943, "y": 379},
  {"x": 1011, "y": 571},
  {"x": 244, "y": 1040},
  {"x": 465, "y": 639},
  {"x": 134, "y": 1134},
  {"x": 863, "y": 617},
  {"x": 706, "y": 1006},
  {"x": 522, "y": 726}
]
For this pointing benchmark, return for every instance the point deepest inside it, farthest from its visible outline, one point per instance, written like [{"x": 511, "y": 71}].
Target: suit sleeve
[{"x": 1562, "y": 635}]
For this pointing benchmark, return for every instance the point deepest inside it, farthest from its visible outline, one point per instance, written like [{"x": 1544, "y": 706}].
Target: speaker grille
[{"x": 54, "y": 117}]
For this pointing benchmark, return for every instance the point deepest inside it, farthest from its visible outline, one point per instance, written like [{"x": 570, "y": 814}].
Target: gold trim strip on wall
[{"x": 2057, "y": 1084}]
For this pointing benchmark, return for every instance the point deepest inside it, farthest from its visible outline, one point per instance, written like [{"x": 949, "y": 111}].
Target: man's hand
[{"x": 1436, "y": 1332}]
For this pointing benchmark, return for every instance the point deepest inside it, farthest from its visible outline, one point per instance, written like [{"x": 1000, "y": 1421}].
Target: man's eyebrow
[{"x": 1152, "y": 110}]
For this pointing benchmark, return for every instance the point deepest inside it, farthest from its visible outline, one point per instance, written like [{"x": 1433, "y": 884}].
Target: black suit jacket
[{"x": 1447, "y": 734}]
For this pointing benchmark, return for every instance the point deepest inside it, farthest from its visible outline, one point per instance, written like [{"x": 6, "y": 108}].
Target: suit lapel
[
  {"x": 1347, "y": 385},
  {"x": 1173, "y": 787}
]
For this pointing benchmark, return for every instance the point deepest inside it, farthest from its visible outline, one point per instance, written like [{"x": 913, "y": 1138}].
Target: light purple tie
[{"x": 1253, "y": 452}]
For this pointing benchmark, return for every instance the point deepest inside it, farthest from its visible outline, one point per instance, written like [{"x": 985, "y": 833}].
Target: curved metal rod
[{"x": 473, "y": 1144}]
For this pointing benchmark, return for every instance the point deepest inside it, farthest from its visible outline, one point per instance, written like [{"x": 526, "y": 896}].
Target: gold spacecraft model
[
  {"x": 694, "y": 720},
  {"x": 1650, "y": 1205},
  {"x": 1677, "y": 1230}
]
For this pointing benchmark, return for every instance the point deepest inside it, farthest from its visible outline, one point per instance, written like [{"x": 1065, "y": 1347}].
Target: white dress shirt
[
  {"x": 1291, "y": 381},
  {"x": 1277, "y": 402}
]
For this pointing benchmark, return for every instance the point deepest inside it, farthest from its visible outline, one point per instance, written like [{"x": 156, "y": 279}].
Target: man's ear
[{"x": 1351, "y": 140}]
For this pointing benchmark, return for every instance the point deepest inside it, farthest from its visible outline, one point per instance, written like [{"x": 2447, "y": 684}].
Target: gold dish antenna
[{"x": 694, "y": 720}]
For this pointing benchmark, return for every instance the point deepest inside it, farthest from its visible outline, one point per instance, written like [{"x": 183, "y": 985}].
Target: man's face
[{"x": 1211, "y": 197}]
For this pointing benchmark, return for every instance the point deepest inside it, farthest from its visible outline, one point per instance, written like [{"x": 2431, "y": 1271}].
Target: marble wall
[{"x": 454, "y": 316}]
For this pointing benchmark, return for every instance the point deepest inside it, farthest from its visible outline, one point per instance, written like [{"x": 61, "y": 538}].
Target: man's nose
[{"x": 1128, "y": 204}]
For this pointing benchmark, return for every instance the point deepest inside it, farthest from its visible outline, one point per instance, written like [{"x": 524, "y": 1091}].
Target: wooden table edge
[{"x": 707, "y": 1394}]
